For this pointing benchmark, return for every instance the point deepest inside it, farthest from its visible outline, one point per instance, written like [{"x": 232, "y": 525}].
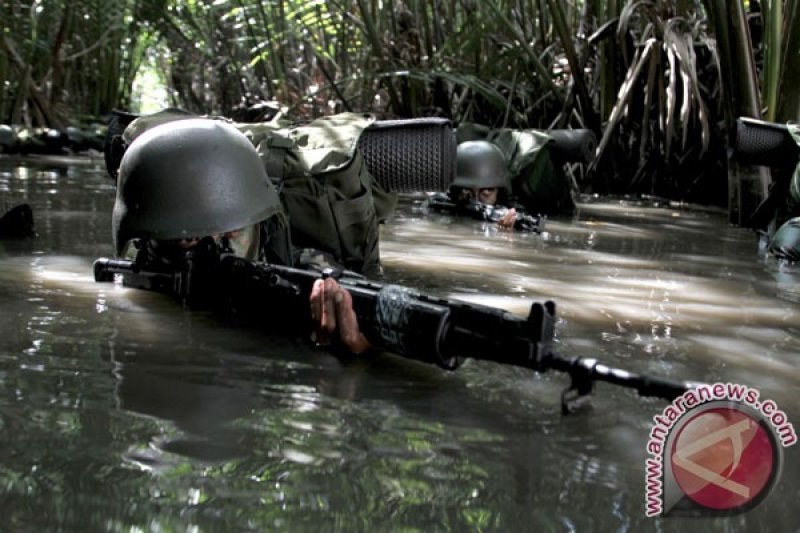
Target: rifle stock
[{"x": 395, "y": 319}]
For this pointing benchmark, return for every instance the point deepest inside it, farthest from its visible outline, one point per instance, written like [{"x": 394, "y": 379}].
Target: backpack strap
[{"x": 273, "y": 151}]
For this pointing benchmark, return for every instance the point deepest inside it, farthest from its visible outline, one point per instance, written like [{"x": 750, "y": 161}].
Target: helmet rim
[{"x": 188, "y": 179}]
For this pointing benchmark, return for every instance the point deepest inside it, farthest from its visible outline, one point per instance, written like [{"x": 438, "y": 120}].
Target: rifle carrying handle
[{"x": 757, "y": 142}]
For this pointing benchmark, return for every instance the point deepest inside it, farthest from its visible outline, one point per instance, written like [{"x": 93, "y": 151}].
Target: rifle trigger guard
[{"x": 579, "y": 392}]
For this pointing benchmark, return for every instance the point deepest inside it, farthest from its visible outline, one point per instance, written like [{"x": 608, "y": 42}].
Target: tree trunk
[
  {"x": 747, "y": 186},
  {"x": 788, "y": 106}
]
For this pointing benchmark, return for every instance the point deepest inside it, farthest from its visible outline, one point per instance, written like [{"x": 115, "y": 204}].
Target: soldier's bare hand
[
  {"x": 333, "y": 316},
  {"x": 508, "y": 218}
]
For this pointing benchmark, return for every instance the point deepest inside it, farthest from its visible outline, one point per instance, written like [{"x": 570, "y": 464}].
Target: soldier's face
[
  {"x": 484, "y": 196},
  {"x": 244, "y": 242}
]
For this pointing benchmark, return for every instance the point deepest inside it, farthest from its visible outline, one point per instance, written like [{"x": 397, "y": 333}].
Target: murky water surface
[{"x": 121, "y": 411}]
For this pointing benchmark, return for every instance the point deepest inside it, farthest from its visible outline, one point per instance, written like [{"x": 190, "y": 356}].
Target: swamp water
[{"x": 122, "y": 411}]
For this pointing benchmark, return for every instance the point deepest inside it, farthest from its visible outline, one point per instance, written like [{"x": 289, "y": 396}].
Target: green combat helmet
[
  {"x": 481, "y": 165},
  {"x": 190, "y": 179}
]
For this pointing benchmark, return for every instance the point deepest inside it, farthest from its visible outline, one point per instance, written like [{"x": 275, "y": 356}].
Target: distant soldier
[{"x": 482, "y": 188}]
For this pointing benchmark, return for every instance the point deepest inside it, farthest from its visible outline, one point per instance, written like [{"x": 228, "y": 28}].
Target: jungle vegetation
[{"x": 661, "y": 82}]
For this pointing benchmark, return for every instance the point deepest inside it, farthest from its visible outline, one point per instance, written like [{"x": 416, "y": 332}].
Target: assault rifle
[
  {"x": 490, "y": 213},
  {"x": 393, "y": 318}
]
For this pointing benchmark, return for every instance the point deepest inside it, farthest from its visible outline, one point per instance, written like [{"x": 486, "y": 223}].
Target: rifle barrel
[{"x": 401, "y": 320}]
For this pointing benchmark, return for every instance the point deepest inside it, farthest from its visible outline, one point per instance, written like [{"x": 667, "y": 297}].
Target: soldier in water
[
  {"x": 186, "y": 184},
  {"x": 481, "y": 189}
]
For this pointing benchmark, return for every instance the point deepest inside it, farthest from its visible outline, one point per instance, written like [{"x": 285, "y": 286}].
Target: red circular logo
[{"x": 723, "y": 458}]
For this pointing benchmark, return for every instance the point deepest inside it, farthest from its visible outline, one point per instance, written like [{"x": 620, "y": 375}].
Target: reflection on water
[{"x": 120, "y": 410}]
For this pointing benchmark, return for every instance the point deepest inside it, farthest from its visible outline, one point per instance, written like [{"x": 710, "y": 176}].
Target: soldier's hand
[
  {"x": 333, "y": 316},
  {"x": 508, "y": 218}
]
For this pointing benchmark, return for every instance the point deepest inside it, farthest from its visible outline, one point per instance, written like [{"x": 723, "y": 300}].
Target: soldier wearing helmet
[
  {"x": 189, "y": 180},
  {"x": 192, "y": 178},
  {"x": 481, "y": 173},
  {"x": 482, "y": 178}
]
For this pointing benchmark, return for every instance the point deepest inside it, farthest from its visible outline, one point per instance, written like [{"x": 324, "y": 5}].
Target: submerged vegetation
[{"x": 660, "y": 82}]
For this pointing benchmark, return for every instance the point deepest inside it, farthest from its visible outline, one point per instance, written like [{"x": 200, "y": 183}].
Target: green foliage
[
  {"x": 787, "y": 105},
  {"x": 502, "y": 62},
  {"x": 660, "y": 81},
  {"x": 64, "y": 60},
  {"x": 667, "y": 104},
  {"x": 761, "y": 70}
]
